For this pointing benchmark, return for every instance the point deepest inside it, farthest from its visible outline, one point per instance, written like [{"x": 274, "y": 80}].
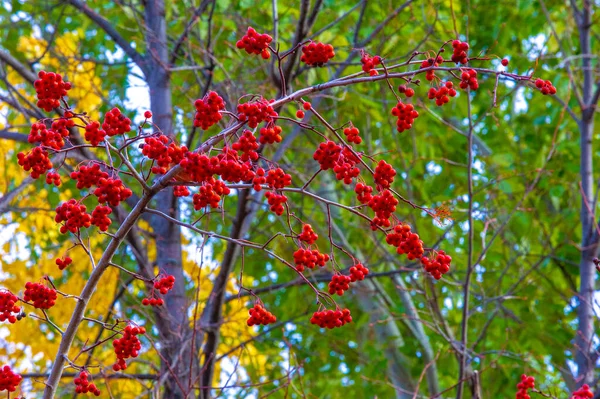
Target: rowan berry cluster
[
  {"x": 469, "y": 79},
  {"x": 42, "y": 297},
  {"x": 339, "y": 284},
  {"x": 430, "y": 74},
  {"x": 369, "y": 63},
  {"x": 8, "y": 306},
  {"x": 459, "y": 52},
  {"x": 358, "y": 272},
  {"x": 162, "y": 285},
  {"x": 207, "y": 110},
  {"x": 74, "y": 215},
  {"x": 260, "y": 316},
  {"x": 93, "y": 133},
  {"x": 441, "y": 93},
  {"x": 88, "y": 176},
  {"x": 437, "y": 266},
  {"x": 407, "y": 91},
  {"x": 309, "y": 258},
  {"x": 229, "y": 166},
  {"x": 345, "y": 168},
  {"x": 259, "y": 179},
  {"x": 112, "y": 191},
  {"x": 363, "y": 193},
  {"x": 39, "y": 133},
  {"x": 63, "y": 263},
  {"x": 256, "y": 112},
  {"x": 317, "y": 54},
  {"x": 384, "y": 205},
  {"x": 100, "y": 217},
  {"x": 82, "y": 385},
  {"x": 127, "y": 346},
  {"x": 156, "y": 149},
  {"x": 583, "y": 393},
  {"x": 53, "y": 178},
  {"x": 255, "y": 43},
  {"x": 50, "y": 88},
  {"x": 210, "y": 193},
  {"x": 270, "y": 134},
  {"x": 197, "y": 167},
  {"x": 181, "y": 191},
  {"x": 545, "y": 87},
  {"x": 327, "y": 154},
  {"x": 116, "y": 123},
  {"x": 406, "y": 242},
  {"x": 331, "y": 318},
  {"x": 524, "y": 386},
  {"x": 384, "y": 174},
  {"x": 9, "y": 380},
  {"x": 36, "y": 161},
  {"x": 276, "y": 202},
  {"x": 247, "y": 145},
  {"x": 406, "y": 115},
  {"x": 278, "y": 179},
  {"x": 308, "y": 235},
  {"x": 352, "y": 135}
]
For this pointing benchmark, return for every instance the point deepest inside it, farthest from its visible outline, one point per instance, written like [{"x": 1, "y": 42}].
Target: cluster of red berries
[
  {"x": 82, "y": 385},
  {"x": 53, "y": 178},
  {"x": 358, "y": 272},
  {"x": 308, "y": 235},
  {"x": 327, "y": 154},
  {"x": 156, "y": 149},
  {"x": 210, "y": 193},
  {"x": 407, "y": 91},
  {"x": 369, "y": 63},
  {"x": 469, "y": 79},
  {"x": 9, "y": 380},
  {"x": 339, "y": 284},
  {"x": 181, "y": 191},
  {"x": 317, "y": 54},
  {"x": 352, "y": 135},
  {"x": 363, "y": 193},
  {"x": 64, "y": 262},
  {"x": 88, "y": 176},
  {"x": 247, "y": 145},
  {"x": 583, "y": 393},
  {"x": 127, "y": 346},
  {"x": 442, "y": 93},
  {"x": 8, "y": 306},
  {"x": 430, "y": 74},
  {"x": 406, "y": 242},
  {"x": 384, "y": 205},
  {"x": 74, "y": 215},
  {"x": 165, "y": 284},
  {"x": 406, "y": 115},
  {"x": 278, "y": 179},
  {"x": 437, "y": 266},
  {"x": 309, "y": 258},
  {"x": 256, "y": 112},
  {"x": 93, "y": 133},
  {"x": 229, "y": 166},
  {"x": 36, "y": 161},
  {"x": 459, "y": 52},
  {"x": 276, "y": 202},
  {"x": 343, "y": 162},
  {"x": 384, "y": 174},
  {"x": 152, "y": 301},
  {"x": 42, "y": 297},
  {"x": 100, "y": 217},
  {"x": 270, "y": 134},
  {"x": 331, "y": 318},
  {"x": 116, "y": 123},
  {"x": 197, "y": 167},
  {"x": 39, "y": 133},
  {"x": 255, "y": 43},
  {"x": 300, "y": 113},
  {"x": 260, "y": 316},
  {"x": 207, "y": 110},
  {"x": 545, "y": 87},
  {"x": 525, "y": 385},
  {"x": 259, "y": 179},
  {"x": 112, "y": 191},
  {"x": 50, "y": 88}
]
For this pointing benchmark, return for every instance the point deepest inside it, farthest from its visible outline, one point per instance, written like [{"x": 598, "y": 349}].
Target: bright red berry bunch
[
  {"x": 545, "y": 87},
  {"x": 100, "y": 217},
  {"x": 93, "y": 133},
  {"x": 309, "y": 258},
  {"x": 339, "y": 284},
  {"x": 308, "y": 235},
  {"x": 74, "y": 215},
  {"x": 112, "y": 191},
  {"x": 229, "y": 166},
  {"x": 36, "y": 161},
  {"x": 116, "y": 123},
  {"x": 459, "y": 52},
  {"x": 53, "y": 178},
  {"x": 363, "y": 193},
  {"x": 127, "y": 346},
  {"x": 327, "y": 154},
  {"x": 259, "y": 179},
  {"x": 255, "y": 43},
  {"x": 8, "y": 306},
  {"x": 430, "y": 74},
  {"x": 82, "y": 385},
  {"x": 42, "y": 297},
  {"x": 207, "y": 110},
  {"x": 358, "y": 272},
  {"x": 384, "y": 174},
  {"x": 331, "y": 318},
  {"x": 210, "y": 193},
  {"x": 278, "y": 179},
  {"x": 153, "y": 301},
  {"x": 165, "y": 284},
  {"x": 369, "y": 63},
  {"x": 256, "y": 112},
  {"x": 156, "y": 149},
  {"x": 88, "y": 176},
  {"x": 469, "y": 79},
  {"x": 247, "y": 145},
  {"x": 270, "y": 134},
  {"x": 437, "y": 266},
  {"x": 197, "y": 167},
  {"x": 406, "y": 115},
  {"x": 406, "y": 242},
  {"x": 9, "y": 380},
  {"x": 525, "y": 385},
  {"x": 48, "y": 138},
  {"x": 181, "y": 191},
  {"x": 317, "y": 54},
  {"x": 352, "y": 135},
  {"x": 407, "y": 91},
  {"x": 50, "y": 88},
  {"x": 442, "y": 93},
  {"x": 260, "y": 316},
  {"x": 276, "y": 202},
  {"x": 384, "y": 205},
  {"x": 583, "y": 393},
  {"x": 63, "y": 263}
]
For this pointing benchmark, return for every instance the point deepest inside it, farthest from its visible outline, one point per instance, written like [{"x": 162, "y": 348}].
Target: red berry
[
  {"x": 148, "y": 114},
  {"x": 306, "y": 105},
  {"x": 504, "y": 61},
  {"x": 299, "y": 114}
]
